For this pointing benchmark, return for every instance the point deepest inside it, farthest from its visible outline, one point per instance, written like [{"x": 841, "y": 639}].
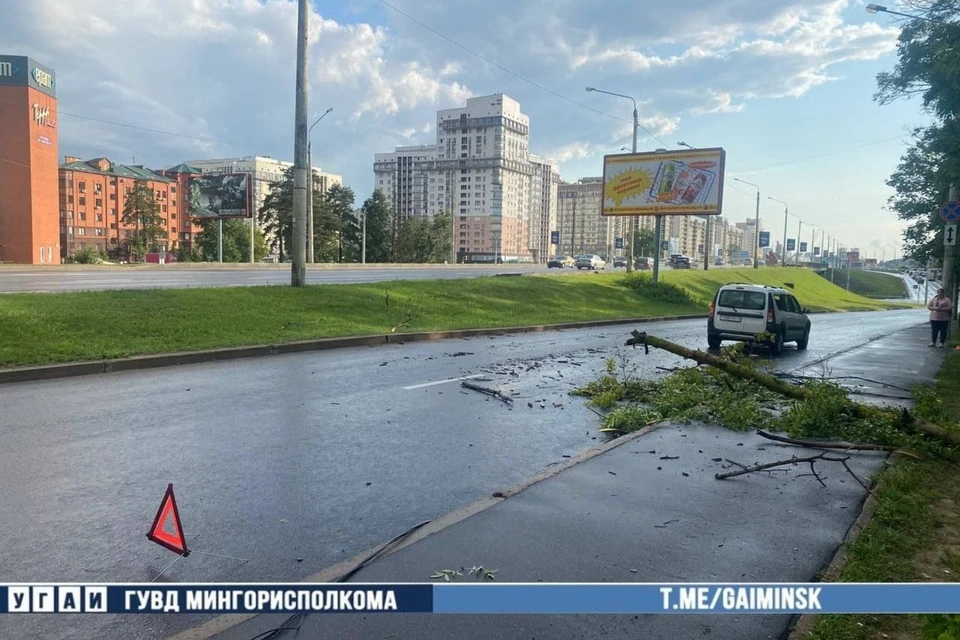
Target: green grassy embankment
[
  {"x": 870, "y": 284},
  {"x": 47, "y": 328},
  {"x": 811, "y": 290}
]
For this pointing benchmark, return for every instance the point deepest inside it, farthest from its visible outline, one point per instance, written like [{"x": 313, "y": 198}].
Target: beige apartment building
[{"x": 503, "y": 199}]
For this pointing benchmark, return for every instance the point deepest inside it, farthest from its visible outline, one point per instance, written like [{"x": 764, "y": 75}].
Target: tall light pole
[
  {"x": 298, "y": 268},
  {"x": 949, "y": 252},
  {"x": 310, "y": 199},
  {"x": 756, "y": 225},
  {"x": 708, "y": 241},
  {"x": 786, "y": 213},
  {"x": 799, "y": 230},
  {"x": 633, "y": 219}
]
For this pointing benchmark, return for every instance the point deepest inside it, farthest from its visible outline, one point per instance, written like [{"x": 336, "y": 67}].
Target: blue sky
[{"x": 774, "y": 83}]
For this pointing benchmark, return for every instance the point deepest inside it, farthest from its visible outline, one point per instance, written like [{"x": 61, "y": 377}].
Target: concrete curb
[
  {"x": 48, "y": 372},
  {"x": 804, "y": 623},
  {"x": 222, "y": 623}
]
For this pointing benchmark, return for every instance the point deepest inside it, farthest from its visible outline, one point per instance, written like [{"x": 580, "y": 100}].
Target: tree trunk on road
[{"x": 796, "y": 392}]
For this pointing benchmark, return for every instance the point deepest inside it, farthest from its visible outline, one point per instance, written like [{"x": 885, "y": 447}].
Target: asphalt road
[{"x": 292, "y": 463}]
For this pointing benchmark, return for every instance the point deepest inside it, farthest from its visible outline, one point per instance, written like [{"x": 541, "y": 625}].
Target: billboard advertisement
[
  {"x": 853, "y": 256},
  {"x": 765, "y": 239},
  {"x": 791, "y": 244},
  {"x": 220, "y": 196},
  {"x": 554, "y": 237},
  {"x": 803, "y": 247},
  {"x": 688, "y": 182}
]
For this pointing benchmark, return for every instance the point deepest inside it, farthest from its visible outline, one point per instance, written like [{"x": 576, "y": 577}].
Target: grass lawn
[
  {"x": 41, "y": 328},
  {"x": 811, "y": 290},
  {"x": 914, "y": 536},
  {"x": 870, "y": 284}
]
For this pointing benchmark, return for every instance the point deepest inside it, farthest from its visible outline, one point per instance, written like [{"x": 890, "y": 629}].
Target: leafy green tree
[
  {"x": 643, "y": 242},
  {"x": 142, "y": 211},
  {"x": 928, "y": 66},
  {"x": 423, "y": 240},
  {"x": 87, "y": 255},
  {"x": 276, "y": 215},
  {"x": 236, "y": 241},
  {"x": 379, "y": 227},
  {"x": 337, "y": 208}
]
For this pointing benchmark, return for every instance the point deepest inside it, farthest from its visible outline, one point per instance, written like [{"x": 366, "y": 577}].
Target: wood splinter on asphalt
[
  {"x": 906, "y": 421},
  {"x": 490, "y": 392}
]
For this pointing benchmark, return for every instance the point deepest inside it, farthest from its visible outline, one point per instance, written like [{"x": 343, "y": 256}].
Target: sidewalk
[{"x": 630, "y": 516}]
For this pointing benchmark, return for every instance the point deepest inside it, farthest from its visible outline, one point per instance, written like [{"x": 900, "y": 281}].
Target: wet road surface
[{"x": 292, "y": 463}]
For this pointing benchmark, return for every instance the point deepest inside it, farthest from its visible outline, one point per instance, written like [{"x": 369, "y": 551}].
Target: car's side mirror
[{"x": 805, "y": 310}]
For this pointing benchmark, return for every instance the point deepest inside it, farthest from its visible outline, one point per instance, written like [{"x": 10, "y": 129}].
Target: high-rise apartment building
[
  {"x": 480, "y": 170},
  {"x": 29, "y": 230},
  {"x": 749, "y": 244}
]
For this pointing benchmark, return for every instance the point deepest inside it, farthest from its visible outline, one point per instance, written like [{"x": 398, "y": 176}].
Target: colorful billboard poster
[
  {"x": 220, "y": 196},
  {"x": 688, "y": 182}
]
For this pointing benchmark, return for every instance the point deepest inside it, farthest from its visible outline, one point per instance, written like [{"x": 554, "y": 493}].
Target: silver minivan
[{"x": 743, "y": 312}]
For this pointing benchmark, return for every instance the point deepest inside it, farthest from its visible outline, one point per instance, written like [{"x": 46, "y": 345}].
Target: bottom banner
[{"x": 484, "y": 598}]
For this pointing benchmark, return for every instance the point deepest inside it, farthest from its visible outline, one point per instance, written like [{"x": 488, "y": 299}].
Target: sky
[{"x": 785, "y": 87}]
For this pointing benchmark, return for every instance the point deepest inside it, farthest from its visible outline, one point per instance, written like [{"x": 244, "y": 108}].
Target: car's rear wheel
[
  {"x": 777, "y": 346},
  {"x": 802, "y": 342},
  {"x": 714, "y": 341}
]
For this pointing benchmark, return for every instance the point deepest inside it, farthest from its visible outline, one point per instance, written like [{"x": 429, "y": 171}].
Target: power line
[
  {"x": 514, "y": 73},
  {"x": 148, "y": 129}
]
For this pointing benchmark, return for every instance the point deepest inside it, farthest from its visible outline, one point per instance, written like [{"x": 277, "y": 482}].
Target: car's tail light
[{"x": 713, "y": 308}]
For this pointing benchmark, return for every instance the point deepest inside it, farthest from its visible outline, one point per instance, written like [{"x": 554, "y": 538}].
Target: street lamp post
[
  {"x": 310, "y": 257},
  {"x": 799, "y": 230},
  {"x": 633, "y": 219},
  {"x": 756, "y": 225},
  {"x": 786, "y": 212},
  {"x": 708, "y": 241}
]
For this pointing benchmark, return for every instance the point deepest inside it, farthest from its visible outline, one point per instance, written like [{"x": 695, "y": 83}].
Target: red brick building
[
  {"x": 93, "y": 194},
  {"x": 28, "y": 162}
]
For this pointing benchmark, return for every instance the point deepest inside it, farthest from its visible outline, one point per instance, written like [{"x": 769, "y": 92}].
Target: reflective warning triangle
[{"x": 166, "y": 530}]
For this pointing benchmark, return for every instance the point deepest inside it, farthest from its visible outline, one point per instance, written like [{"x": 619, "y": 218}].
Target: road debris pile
[{"x": 740, "y": 392}]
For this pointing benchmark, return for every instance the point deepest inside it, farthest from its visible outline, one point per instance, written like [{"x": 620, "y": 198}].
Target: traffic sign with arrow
[{"x": 949, "y": 235}]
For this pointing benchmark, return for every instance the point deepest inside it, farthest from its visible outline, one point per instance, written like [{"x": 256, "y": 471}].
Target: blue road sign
[
  {"x": 554, "y": 237},
  {"x": 791, "y": 244},
  {"x": 765, "y": 239},
  {"x": 816, "y": 251},
  {"x": 665, "y": 245},
  {"x": 950, "y": 212},
  {"x": 803, "y": 247},
  {"x": 618, "y": 243}
]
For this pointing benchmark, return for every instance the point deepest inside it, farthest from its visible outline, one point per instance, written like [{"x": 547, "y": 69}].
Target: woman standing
[{"x": 941, "y": 308}]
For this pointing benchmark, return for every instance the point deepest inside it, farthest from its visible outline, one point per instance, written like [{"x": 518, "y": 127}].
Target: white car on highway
[
  {"x": 590, "y": 261},
  {"x": 744, "y": 312}
]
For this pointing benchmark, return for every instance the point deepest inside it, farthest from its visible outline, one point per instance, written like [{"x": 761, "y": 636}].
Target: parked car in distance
[
  {"x": 590, "y": 261},
  {"x": 679, "y": 262},
  {"x": 560, "y": 262},
  {"x": 718, "y": 262},
  {"x": 619, "y": 262},
  {"x": 643, "y": 264},
  {"x": 742, "y": 312}
]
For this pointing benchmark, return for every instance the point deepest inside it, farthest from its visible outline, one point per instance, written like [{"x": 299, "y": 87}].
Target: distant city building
[
  {"x": 480, "y": 170},
  {"x": 29, "y": 212},
  {"x": 749, "y": 244},
  {"x": 582, "y": 228},
  {"x": 262, "y": 170},
  {"x": 93, "y": 194}
]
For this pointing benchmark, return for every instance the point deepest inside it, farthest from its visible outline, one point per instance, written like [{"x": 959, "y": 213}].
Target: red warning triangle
[{"x": 170, "y": 536}]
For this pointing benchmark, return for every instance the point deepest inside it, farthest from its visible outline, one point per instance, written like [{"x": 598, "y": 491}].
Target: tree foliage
[
  {"x": 378, "y": 223},
  {"x": 236, "y": 241},
  {"x": 423, "y": 240},
  {"x": 928, "y": 67},
  {"x": 142, "y": 212},
  {"x": 336, "y": 227},
  {"x": 643, "y": 242}
]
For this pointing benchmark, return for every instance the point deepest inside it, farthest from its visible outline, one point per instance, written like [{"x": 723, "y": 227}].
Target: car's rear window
[{"x": 746, "y": 300}]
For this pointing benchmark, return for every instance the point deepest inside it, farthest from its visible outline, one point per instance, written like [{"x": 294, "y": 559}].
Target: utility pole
[
  {"x": 219, "y": 239},
  {"x": 632, "y": 252},
  {"x": 949, "y": 253},
  {"x": 799, "y": 229},
  {"x": 301, "y": 188},
  {"x": 756, "y": 234}
]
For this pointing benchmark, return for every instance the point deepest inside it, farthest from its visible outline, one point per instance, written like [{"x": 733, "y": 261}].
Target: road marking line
[{"x": 431, "y": 384}]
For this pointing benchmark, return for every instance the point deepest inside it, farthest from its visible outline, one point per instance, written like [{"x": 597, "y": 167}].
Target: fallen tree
[{"x": 904, "y": 419}]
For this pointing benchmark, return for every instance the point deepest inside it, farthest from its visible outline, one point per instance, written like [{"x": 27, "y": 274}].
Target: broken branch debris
[{"x": 488, "y": 391}]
